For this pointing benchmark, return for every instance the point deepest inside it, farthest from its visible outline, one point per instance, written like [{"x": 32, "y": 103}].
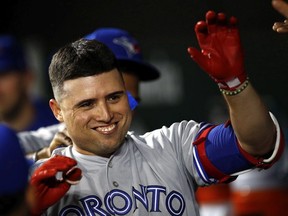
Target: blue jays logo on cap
[
  {"x": 131, "y": 48},
  {"x": 126, "y": 50}
]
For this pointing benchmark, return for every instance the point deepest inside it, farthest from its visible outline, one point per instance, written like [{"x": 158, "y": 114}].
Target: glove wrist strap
[
  {"x": 233, "y": 83},
  {"x": 237, "y": 90}
]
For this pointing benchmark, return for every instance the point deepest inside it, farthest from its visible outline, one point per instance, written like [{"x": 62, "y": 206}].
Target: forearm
[
  {"x": 251, "y": 121},
  {"x": 32, "y": 141}
]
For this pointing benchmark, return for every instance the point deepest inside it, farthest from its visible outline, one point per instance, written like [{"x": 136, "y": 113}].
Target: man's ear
[{"x": 56, "y": 109}]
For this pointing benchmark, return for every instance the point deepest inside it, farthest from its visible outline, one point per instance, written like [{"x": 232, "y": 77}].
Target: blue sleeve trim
[{"x": 223, "y": 152}]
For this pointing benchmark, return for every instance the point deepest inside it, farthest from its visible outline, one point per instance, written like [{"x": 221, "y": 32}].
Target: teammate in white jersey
[{"x": 156, "y": 173}]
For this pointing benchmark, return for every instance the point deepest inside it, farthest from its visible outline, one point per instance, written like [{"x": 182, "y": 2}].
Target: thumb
[{"x": 198, "y": 57}]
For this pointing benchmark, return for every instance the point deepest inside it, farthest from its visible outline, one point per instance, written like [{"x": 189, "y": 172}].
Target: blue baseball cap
[
  {"x": 127, "y": 52},
  {"x": 14, "y": 167},
  {"x": 12, "y": 56}
]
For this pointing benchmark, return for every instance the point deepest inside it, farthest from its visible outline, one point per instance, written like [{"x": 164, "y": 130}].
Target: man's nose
[{"x": 103, "y": 113}]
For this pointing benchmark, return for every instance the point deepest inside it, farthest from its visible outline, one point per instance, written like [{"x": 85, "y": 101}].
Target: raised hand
[
  {"x": 60, "y": 139},
  {"x": 221, "y": 54}
]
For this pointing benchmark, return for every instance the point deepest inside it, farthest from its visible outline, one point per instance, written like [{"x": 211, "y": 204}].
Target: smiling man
[
  {"x": 93, "y": 103},
  {"x": 95, "y": 108},
  {"x": 156, "y": 173},
  {"x": 135, "y": 70}
]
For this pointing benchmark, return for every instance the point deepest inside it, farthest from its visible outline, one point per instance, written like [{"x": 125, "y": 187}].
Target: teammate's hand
[
  {"x": 282, "y": 7},
  {"x": 60, "y": 139},
  {"x": 281, "y": 27},
  {"x": 48, "y": 188},
  {"x": 221, "y": 53}
]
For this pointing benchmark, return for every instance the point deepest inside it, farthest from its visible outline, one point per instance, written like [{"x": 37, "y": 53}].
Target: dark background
[{"x": 166, "y": 26}]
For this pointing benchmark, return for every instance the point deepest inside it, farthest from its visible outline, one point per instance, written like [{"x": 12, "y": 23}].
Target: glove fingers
[
  {"x": 60, "y": 163},
  {"x": 233, "y": 21},
  {"x": 201, "y": 28},
  {"x": 221, "y": 19},
  {"x": 51, "y": 167},
  {"x": 211, "y": 20},
  {"x": 43, "y": 175},
  {"x": 201, "y": 33},
  {"x": 211, "y": 17},
  {"x": 222, "y": 22}
]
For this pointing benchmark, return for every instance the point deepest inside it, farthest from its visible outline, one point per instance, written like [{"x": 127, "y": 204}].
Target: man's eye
[
  {"x": 86, "y": 104},
  {"x": 113, "y": 98}
]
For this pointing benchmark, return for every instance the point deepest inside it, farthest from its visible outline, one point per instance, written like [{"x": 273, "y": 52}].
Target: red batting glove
[
  {"x": 221, "y": 53},
  {"x": 50, "y": 190}
]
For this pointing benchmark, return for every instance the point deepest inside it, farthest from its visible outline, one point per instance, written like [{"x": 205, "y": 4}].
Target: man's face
[{"x": 96, "y": 112}]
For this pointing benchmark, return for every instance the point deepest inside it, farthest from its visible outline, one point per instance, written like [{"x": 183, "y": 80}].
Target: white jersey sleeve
[{"x": 32, "y": 141}]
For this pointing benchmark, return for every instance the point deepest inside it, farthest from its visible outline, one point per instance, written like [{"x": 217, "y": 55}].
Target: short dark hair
[{"x": 80, "y": 58}]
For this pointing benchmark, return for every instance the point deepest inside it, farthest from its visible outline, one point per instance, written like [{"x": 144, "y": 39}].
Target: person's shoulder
[{"x": 184, "y": 125}]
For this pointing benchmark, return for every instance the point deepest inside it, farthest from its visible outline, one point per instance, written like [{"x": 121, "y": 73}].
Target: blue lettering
[
  {"x": 121, "y": 197},
  {"x": 155, "y": 190},
  {"x": 92, "y": 204},
  {"x": 171, "y": 200},
  {"x": 140, "y": 196},
  {"x": 118, "y": 202},
  {"x": 71, "y": 209}
]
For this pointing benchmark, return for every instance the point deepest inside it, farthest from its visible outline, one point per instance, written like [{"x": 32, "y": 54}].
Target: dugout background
[{"x": 164, "y": 29}]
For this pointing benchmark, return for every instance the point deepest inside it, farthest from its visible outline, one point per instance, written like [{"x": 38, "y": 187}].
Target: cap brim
[{"x": 143, "y": 70}]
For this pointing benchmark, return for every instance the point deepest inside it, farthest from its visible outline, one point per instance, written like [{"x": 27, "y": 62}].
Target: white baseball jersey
[{"x": 152, "y": 174}]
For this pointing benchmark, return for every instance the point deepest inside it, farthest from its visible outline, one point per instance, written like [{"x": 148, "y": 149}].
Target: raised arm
[{"x": 221, "y": 56}]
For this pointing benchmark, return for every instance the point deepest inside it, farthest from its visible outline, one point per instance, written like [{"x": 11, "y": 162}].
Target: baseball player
[
  {"x": 128, "y": 53},
  {"x": 20, "y": 109},
  {"x": 156, "y": 173}
]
